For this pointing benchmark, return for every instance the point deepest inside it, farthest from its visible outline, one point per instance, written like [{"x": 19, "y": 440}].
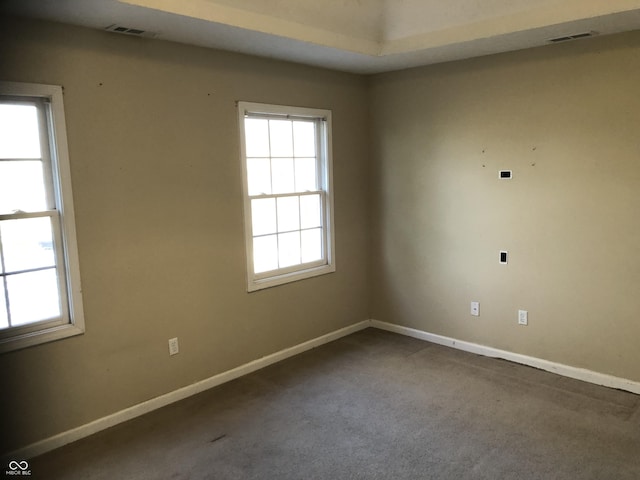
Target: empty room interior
[{"x": 434, "y": 272}]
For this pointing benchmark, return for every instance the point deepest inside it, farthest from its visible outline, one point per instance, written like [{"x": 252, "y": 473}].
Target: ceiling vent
[
  {"x": 136, "y": 32},
  {"x": 576, "y": 36}
]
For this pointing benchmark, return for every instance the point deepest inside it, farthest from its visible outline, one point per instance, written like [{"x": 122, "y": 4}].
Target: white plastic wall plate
[
  {"x": 174, "y": 348},
  {"x": 523, "y": 317}
]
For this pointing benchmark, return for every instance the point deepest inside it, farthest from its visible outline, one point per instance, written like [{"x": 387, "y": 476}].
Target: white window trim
[
  {"x": 298, "y": 272},
  {"x": 73, "y": 314}
]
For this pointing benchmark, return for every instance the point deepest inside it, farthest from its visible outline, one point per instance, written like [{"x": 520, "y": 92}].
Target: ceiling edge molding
[
  {"x": 542, "y": 17},
  {"x": 235, "y": 17}
]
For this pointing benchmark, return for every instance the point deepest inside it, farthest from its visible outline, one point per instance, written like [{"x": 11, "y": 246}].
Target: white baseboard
[
  {"x": 100, "y": 424},
  {"x": 565, "y": 370},
  {"x": 103, "y": 423}
]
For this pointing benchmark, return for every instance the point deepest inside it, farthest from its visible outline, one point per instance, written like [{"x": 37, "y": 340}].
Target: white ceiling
[{"x": 360, "y": 36}]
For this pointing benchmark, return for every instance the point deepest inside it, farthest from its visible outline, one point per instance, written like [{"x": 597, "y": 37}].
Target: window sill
[
  {"x": 39, "y": 337},
  {"x": 260, "y": 284}
]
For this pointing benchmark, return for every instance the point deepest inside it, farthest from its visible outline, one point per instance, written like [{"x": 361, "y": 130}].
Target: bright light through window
[
  {"x": 27, "y": 258},
  {"x": 287, "y": 164},
  {"x": 19, "y": 133},
  {"x": 39, "y": 281}
]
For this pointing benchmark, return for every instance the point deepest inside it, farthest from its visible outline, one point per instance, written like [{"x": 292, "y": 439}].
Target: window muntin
[
  {"x": 286, "y": 166},
  {"x": 39, "y": 279}
]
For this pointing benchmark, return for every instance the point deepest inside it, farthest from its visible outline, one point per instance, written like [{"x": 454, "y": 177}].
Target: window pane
[
  {"x": 19, "y": 137},
  {"x": 310, "y": 211},
  {"x": 281, "y": 136},
  {"x": 288, "y": 214},
  {"x": 4, "y": 320},
  {"x": 282, "y": 175},
  {"x": 263, "y": 216},
  {"x": 289, "y": 249},
  {"x": 311, "y": 245},
  {"x": 306, "y": 174},
  {"x": 33, "y": 296},
  {"x": 265, "y": 254},
  {"x": 256, "y": 132},
  {"x": 27, "y": 243},
  {"x": 22, "y": 187},
  {"x": 304, "y": 139},
  {"x": 259, "y": 176}
]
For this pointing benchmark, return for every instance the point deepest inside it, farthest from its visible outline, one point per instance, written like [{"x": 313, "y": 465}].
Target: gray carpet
[{"x": 373, "y": 405}]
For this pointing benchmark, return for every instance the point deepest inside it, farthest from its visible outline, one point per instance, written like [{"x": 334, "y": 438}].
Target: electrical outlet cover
[
  {"x": 173, "y": 346},
  {"x": 523, "y": 317}
]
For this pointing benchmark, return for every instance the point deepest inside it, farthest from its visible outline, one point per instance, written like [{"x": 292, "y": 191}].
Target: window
[
  {"x": 40, "y": 296},
  {"x": 286, "y": 164}
]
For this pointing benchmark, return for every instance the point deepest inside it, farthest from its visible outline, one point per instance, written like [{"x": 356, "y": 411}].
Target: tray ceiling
[{"x": 360, "y": 36}]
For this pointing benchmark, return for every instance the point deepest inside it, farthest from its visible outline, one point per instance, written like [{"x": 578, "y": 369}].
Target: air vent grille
[
  {"x": 130, "y": 31},
  {"x": 576, "y": 36}
]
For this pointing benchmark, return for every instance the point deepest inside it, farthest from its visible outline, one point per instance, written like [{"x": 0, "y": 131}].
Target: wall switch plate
[
  {"x": 475, "y": 309},
  {"x": 174, "y": 348},
  {"x": 523, "y": 317},
  {"x": 504, "y": 257}
]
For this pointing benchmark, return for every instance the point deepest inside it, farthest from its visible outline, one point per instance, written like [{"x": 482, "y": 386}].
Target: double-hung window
[
  {"x": 286, "y": 164},
  {"x": 39, "y": 277}
]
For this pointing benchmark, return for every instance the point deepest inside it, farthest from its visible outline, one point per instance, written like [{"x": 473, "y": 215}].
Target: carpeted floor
[{"x": 373, "y": 405}]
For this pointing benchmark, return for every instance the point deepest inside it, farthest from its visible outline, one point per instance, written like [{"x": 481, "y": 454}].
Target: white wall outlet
[
  {"x": 523, "y": 317},
  {"x": 174, "y": 348},
  {"x": 475, "y": 309}
]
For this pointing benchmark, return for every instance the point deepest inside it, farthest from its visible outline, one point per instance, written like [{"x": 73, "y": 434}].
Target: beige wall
[
  {"x": 153, "y": 143},
  {"x": 566, "y": 120}
]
